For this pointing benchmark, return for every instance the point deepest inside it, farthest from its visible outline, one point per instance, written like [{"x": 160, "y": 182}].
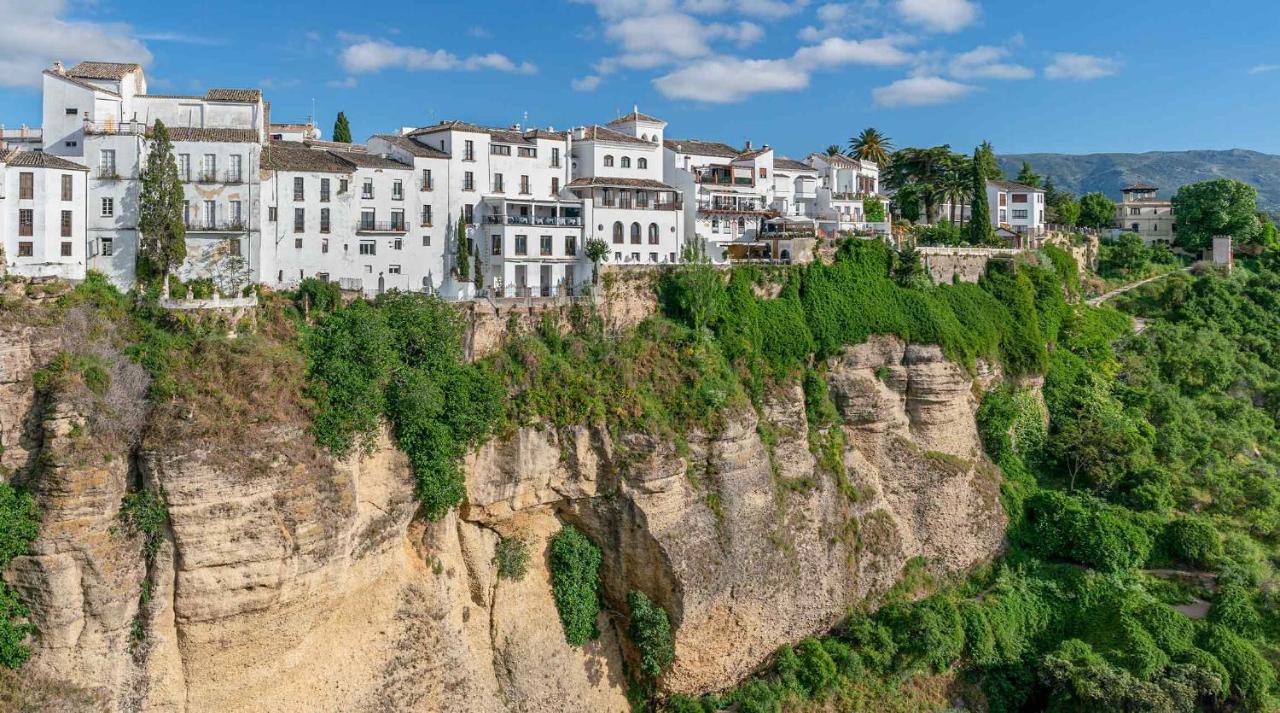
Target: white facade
[
  {"x": 729, "y": 195},
  {"x": 1016, "y": 207},
  {"x": 845, "y": 185},
  {"x": 42, "y": 215},
  {"x": 1141, "y": 211}
]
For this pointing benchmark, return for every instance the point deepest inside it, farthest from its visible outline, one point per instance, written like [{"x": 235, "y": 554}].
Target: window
[
  {"x": 343, "y": 184},
  {"x": 237, "y": 217},
  {"x": 495, "y": 244},
  {"x": 555, "y": 185},
  {"x": 764, "y": 172},
  {"x": 184, "y": 166},
  {"x": 366, "y": 191},
  {"x": 107, "y": 163},
  {"x": 1019, "y": 197},
  {"x": 393, "y": 269},
  {"x": 468, "y": 150},
  {"x": 210, "y": 213},
  {"x": 324, "y": 190},
  {"x": 426, "y": 215},
  {"x": 607, "y": 197},
  {"x": 522, "y": 244},
  {"x": 397, "y": 244},
  {"x": 234, "y": 173},
  {"x": 71, "y": 144},
  {"x": 26, "y": 185},
  {"x": 468, "y": 181},
  {"x": 499, "y": 150},
  {"x": 324, "y": 245},
  {"x": 642, "y": 163},
  {"x": 1135, "y": 211},
  {"x": 524, "y": 185},
  {"x": 397, "y": 190},
  {"x": 653, "y": 257},
  {"x": 635, "y": 233},
  {"x": 608, "y": 161},
  {"x": 544, "y": 245},
  {"x": 1019, "y": 214},
  {"x": 298, "y": 188},
  {"x": 397, "y": 219},
  {"x": 1004, "y": 199},
  {"x": 635, "y": 257},
  {"x": 67, "y": 186},
  {"x": 527, "y": 152},
  {"x": 555, "y": 157},
  {"x": 297, "y": 243},
  {"x": 426, "y": 241},
  {"x": 299, "y": 219},
  {"x": 107, "y": 247},
  {"x": 66, "y": 249},
  {"x": 25, "y": 249},
  {"x": 66, "y": 227},
  {"x": 108, "y": 207},
  {"x": 209, "y": 167},
  {"x": 72, "y": 111},
  {"x": 367, "y": 219},
  {"x": 271, "y": 214},
  {"x": 324, "y": 220},
  {"x": 497, "y": 183},
  {"x": 570, "y": 245},
  {"x": 653, "y": 234},
  {"x": 368, "y": 247},
  {"x": 617, "y": 233},
  {"x": 642, "y": 199},
  {"x": 233, "y": 246},
  {"x": 426, "y": 179},
  {"x": 626, "y": 162},
  {"x": 469, "y": 214}
]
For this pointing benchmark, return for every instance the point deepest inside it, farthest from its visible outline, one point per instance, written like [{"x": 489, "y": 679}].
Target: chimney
[
  {"x": 748, "y": 145},
  {"x": 57, "y": 67}
]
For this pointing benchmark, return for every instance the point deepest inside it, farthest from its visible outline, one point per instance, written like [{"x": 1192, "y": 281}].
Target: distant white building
[
  {"x": 728, "y": 193},
  {"x": 42, "y": 215},
  {"x": 1016, "y": 207},
  {"x": 1143, "y": 212},
  {"x": 846, "y": 188},
  {"x": 294, "y": 132}
]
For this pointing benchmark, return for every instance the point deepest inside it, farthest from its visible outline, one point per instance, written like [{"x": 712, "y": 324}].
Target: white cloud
[
  {"x": 723, "y": 80},
  {"x": 987, "y": 63},
  {"x": 364, "y": 55},
  {"x": 1080, "y": 67},
  {"x": 835, "y": 51},
  {"x": 348, "y": 83},
  {"x": 1263, "y": 68},
  {"x": 589, "y": 83},
  {"x": 920, "y": 91},
  {"x": 35, "y": 33},
  {"x": 939, "y": 15},
  {"x": 179, "y": 38},
  {"x": 744, "y": 33},
  {"x": 770, "y": 9},
  {"x": 655, "y": 38},
  {"x": 839, "y": 19}
]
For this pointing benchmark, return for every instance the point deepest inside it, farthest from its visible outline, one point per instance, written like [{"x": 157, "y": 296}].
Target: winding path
[{"x": 1096, "y": 301}]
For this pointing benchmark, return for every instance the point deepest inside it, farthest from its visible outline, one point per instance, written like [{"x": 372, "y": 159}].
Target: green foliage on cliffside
[
  {"x": 19, "y": 525},
  {"x": 575, "y": 583}
]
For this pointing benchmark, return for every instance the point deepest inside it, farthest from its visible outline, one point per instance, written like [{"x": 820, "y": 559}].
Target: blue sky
[{"x": 1080, "y": 76}]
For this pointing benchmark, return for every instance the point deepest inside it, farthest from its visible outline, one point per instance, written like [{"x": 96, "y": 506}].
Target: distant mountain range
[{"x": 1109, "y": 172}]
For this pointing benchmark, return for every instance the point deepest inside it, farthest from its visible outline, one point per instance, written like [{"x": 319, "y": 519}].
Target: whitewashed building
[
  {"x": 729, "y": 195},
  {"x": 42, "y": 215},
  {"x": 618, "y": 174},
  {"x": 1142, "y": 211},
  {"x": 847, "y": 187},
  {"x": 1016, "y": 208}
]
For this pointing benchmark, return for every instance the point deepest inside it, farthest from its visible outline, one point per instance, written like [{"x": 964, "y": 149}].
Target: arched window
[
  {"x": 644, "y": 138},
  {"x": 608, "y": 161},
  {"x": 635, "y": 233},
  {"x": 626, "y": 162},
  {"x": 653, "y": 233},
  {"x": 642, "y": 163},
  {"x": 617, "y": 232}
]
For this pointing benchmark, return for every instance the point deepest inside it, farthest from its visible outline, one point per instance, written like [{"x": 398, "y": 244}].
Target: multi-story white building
[
  {"x": 618, "y": 173},
  {"x": 795, "y": 188},
  {"x": 42, "y": 215},
  {"x": 101, "y": 113},
  {"x": 846, "y": 187},
  {"x": 1016, "y": 208},
  {"x": 1141, "y": 211},
  {"x": 729, "y": 195}
]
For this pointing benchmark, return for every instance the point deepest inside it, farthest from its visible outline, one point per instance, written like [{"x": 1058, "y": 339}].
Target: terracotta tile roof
[
  {"x": 412, "y": 147},
  {"x": 613, "y": 182},
  {"x": 214, "y": 134},
  {"x": 600, "y": 133},
  {"x": 39, "y": 159},
  {"x": 291, "y": 127},
  {"x": 233, "y": 95},
  {"x": 839, "y": 160},
  {"x": 292, "y": 156},
  {"x": 80, "y": 83},
  {"x": 502, "y": 136},
  {"x": 449, "y": 126},
  {"x": 335, "y": 145},
  {"x": 635, "y": 115},
  {"x": 103, "y": 70},
  {"x": 701, "y": 148},
  {"x": 786, "y": 164},
  {"x": 361, "y": 159},
  {"x": 546, "y": 134},
  {"x": 1140, "y": 186},
  {"x": 1015, "y": 186},
  {"x": 752, "y": 154}
]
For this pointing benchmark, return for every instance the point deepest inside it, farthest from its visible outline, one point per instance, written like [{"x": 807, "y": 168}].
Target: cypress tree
[
  {"x": 163, "y": 244},
  {"x": 460, "y": 264},
  {"x": 341, "y": 129},
  {"x": 979, "y": 230},
  {"x": 479, "y": 276}
]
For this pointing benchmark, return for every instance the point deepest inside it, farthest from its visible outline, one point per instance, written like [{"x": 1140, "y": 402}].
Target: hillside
[{"x": 1109, "y": 172}]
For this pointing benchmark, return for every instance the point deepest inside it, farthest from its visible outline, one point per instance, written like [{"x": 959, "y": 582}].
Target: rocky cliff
[{"x": 287, "y": 580}]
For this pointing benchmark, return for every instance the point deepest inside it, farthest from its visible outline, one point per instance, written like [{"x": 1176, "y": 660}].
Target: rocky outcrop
[{"x": 291, "y": 581}]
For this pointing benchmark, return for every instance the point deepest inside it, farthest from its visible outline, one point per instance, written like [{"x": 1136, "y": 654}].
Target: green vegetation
[
  {"x": 19, "y": 525},
  {"x": 979, "y": 231},
  {"x": 1219, "y": 207},
  {"x": 1096, "y": 211},
  {"x": 1127, "y": 258},
  {"x": 871, "y": 145},
  {"x": 575, "y": 583},
  {"x": 161, "y": 227},
  {"x": 144, "y": 513},
  {"x": 650, "y": 631},
  {"x": 513, "y": 558},
  {"x": 342, "y": 129}
]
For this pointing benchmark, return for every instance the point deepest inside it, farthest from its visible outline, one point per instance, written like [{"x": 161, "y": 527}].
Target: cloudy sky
[{"x": 1080, "y": 76}]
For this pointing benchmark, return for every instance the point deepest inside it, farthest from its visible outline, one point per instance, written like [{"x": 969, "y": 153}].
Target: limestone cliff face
[{"x": 288, "y": 581}]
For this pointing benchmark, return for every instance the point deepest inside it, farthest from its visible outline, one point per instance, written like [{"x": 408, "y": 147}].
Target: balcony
[
  {"x": 207, "y": 177},
  {"x": 731, "y": 207},
  {"x": 847, "y": 196},
  {"x": 381, "y": 226},
  {"x": 217, "y": 225},
  {"x": 546, "y": 220},
  {"x": 107, "y": 173},
  {"x": 114, "y": 128}
]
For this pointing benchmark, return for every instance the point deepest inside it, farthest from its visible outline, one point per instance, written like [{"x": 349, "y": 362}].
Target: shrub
[
  {"x": 1062, "y": 526},
  {"x": 318, "y": 296},
  {"x": 929, "y": 632},
  {"x": 873, "y": 641},
  {"x": 817, "y": 669},
  {"x": 650, "y": 631},
  {"x": 1251, "y": 676},
  {"x": 575, "y": 582},
  {"x": 1233, "y": 609},
  {"x": 145, "y": 513},
  {"x": 14, "y": 629},
  {"x": 19, "y": 523},
  {"x": 513, "y": 558},
  {"x": 755, "y": 696},
  {"x": 679, "y": 703},
  {"x": 1192, "y": 540}
]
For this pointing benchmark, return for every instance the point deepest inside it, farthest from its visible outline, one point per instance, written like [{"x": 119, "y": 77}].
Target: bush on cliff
[{"x": 575, "y": 583}]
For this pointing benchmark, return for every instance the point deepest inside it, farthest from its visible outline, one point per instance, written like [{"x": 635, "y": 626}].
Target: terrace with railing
[
  {"x": 215, "y": 225},
  {"x": 545, "y": 220},
  {"x": 381, "y": 226},
  {"x": 111, "y": 127}
]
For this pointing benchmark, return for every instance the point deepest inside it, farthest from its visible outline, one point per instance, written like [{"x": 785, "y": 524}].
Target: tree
[
  {"x": 987, "y": 162},
  {"x": 698, "y": 289},
  {"x": 1067, "y": 212},
  {"x": 477, "y": 273},
  {"x": 650, "y": 631},
  {"x": 1096, "y": 211},
  {"x": 1219, "y": 207},
  {"x": 957, "y": 186},
  {"x": 1129, "y": 253},
  {"x": 925, "y": 169},
  {"x": 596, "y": 250},
  {"x": 871, "y": 145},
  {"x": 833, "y": 150},
  {"x": 460, "y": 262},
  {"x": 1028, "y": 177},
  {"x": 160, "y": 210},
  {"x": 979, "y": 232},
  {"x": 341, "y": 129}
]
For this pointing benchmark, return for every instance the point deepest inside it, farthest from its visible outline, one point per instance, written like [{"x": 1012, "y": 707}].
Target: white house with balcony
[
  {"x": 847, "y": 194},
  {"x": 618, "y": 173},
  {"x": 1016, "y": 208},
  {"x": 729, "y": 196},
  {"x": 42, "y": 215}
]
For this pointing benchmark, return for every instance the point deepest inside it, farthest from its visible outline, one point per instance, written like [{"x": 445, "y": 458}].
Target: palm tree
[
  {"x": 956, "y": 186},
  {"x": 923, "y": 168},
  {"x": 834, "y": 150},
  {"x": 871, "y": 145}
]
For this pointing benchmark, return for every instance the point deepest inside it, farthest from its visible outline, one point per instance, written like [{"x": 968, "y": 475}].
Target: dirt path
[{"x": 1096, "y": 301}]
